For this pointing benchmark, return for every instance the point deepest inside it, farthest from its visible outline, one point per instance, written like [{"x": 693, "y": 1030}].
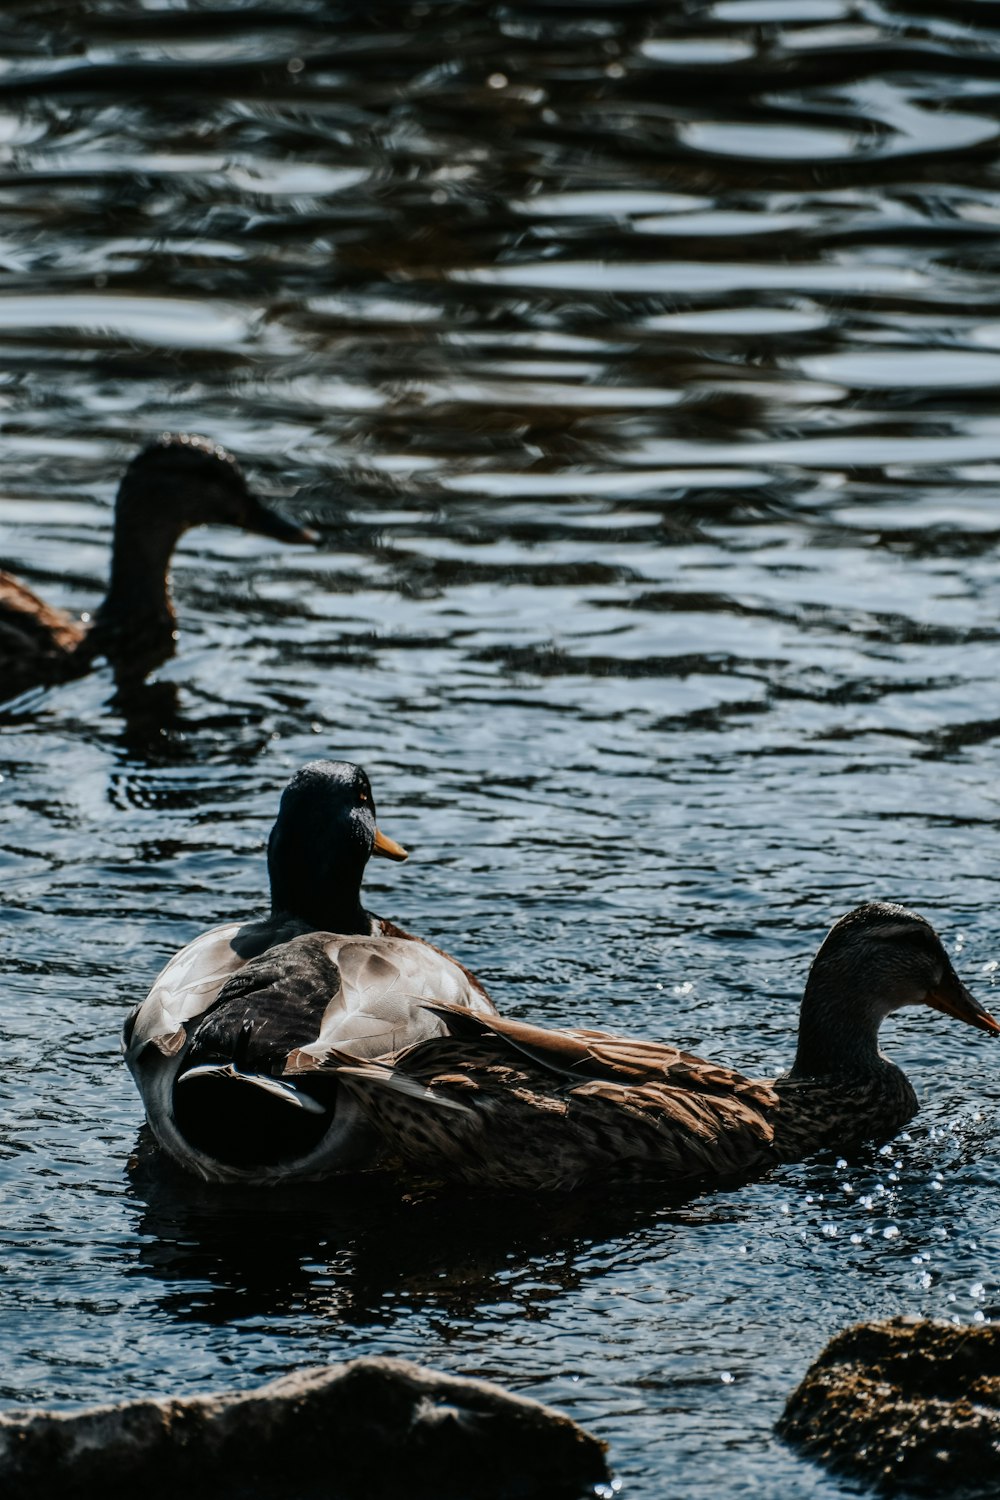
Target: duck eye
[{"x": 363, "y": 796}]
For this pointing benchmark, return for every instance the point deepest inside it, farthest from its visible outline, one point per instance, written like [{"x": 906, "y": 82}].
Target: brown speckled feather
[
  {"x": 550, "y": 1109},
  {"x": 600, "y": 1054}
]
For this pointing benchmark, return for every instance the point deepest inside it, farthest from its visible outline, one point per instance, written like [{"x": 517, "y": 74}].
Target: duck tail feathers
[
  {"x": 367, "y": 1080},
  {"x": 286, "y": 1092}
]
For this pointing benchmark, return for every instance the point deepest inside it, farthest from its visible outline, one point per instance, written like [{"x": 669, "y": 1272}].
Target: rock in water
[
  {"x": 911, "y": 1405},
  {"x": 372, "y": 1427}
]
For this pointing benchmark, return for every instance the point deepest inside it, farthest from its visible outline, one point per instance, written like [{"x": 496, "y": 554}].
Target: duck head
[
  {"x": 872, "y": 962},
  {"x": 177, "y": 482},
  {"x": 324, "y": 835},
  {"x": 183, "y": 480}
]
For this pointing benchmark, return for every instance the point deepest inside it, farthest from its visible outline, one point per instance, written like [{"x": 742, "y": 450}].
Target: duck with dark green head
[
  {"x": 227, "y": 1048},
  {"x": 177, "y": 482}
]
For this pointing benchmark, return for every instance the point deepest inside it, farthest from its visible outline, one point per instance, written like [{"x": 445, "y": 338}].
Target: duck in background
[
  {"x": 509, "y": 1107},
  {"x": 226, "y": 1048},
  {"x": 177, "y": 482}
]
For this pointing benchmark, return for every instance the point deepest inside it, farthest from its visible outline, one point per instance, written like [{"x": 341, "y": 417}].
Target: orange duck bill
[
  {"x": 954, "y": 999},
  {"x": 389, "y": 849}
]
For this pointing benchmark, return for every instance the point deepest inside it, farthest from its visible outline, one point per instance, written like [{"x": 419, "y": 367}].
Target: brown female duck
[
  {"x": 510, "y": 1107},
  {"x": 177, "y": 482}
]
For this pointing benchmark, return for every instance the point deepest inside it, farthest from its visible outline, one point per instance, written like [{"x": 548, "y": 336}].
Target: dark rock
[
  {"x": 373, "y": 1427},
  {"x": 912, "y": 1405}
]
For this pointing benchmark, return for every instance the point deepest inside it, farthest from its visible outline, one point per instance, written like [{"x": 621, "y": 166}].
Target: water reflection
[
  {"x": 361, "y": 1245},
  {"x": 638, "y": 367}
]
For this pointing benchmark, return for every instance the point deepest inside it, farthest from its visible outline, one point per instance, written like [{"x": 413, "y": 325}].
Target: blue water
[{"x": 639, "y": 368}]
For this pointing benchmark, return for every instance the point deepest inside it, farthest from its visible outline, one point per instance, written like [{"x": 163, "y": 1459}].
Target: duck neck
[
  {"x": 138, "y": 593},
  {"x": 328, "y": 905},
  {"x": 838, "y": 1033}
]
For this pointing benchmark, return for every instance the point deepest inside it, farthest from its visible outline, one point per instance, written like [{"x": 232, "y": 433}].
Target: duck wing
[
  {"x": 182, "y": 991},
  {"x": 615, "y": 1060},
  {"x": 507, "y": 1106},
  {"x": 192, "y": 981},
  {"x": 380, "y": 1003},
  {"x": 390, "y": 929}
]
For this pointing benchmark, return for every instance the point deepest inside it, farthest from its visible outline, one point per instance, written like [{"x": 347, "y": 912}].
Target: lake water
[{"x": 639, "y": 365}]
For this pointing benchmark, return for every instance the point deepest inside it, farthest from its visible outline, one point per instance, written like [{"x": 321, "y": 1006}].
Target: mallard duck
[
  {"x": 177, "y": 482},
  {"x": 511, "y": 1107},
  {"x": 225, "y": 1047}
]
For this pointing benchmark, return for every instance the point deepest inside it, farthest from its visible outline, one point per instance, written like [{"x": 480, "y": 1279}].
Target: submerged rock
[
  {"x": 912, "y": 1405},
  {"x": 371, "y": 1427}
]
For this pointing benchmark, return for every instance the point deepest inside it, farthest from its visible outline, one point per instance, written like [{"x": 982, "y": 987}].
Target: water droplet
[
  {"x": 295, "y": 65},
  {"x": 727, "y": 1378},
  {"x": 855, "y": 1239},
  {"x": 891, "y": 1233},
  {"x": 497, "y": 81},
  {"x": 841, "y": 1163}
]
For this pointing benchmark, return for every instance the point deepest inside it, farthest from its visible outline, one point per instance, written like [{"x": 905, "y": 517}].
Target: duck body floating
[
  {"x": 228, "y": 1046},
  {"x": 177, "y": 482},
  {"x": 510, "y": 1107}
]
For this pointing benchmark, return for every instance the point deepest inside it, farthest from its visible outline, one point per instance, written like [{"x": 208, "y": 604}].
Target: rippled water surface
[{"x": 639, "y": 366}]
